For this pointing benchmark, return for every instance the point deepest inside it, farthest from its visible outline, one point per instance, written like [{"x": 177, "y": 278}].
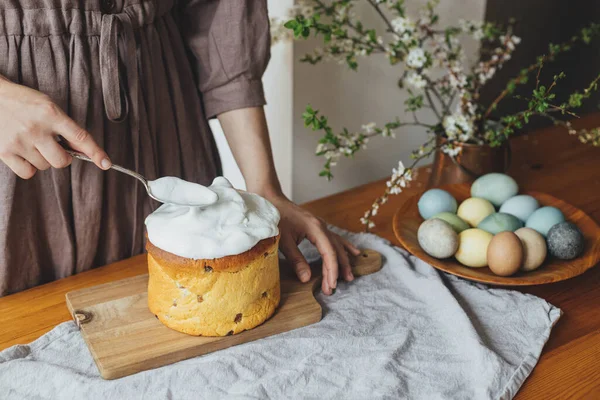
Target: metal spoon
[{"x": 141, "y": 178}]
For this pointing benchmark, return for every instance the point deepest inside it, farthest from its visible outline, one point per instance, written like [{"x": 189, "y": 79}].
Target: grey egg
[
  {"x": 565, "y": 241},
  {"x": 437, "y": 238}
]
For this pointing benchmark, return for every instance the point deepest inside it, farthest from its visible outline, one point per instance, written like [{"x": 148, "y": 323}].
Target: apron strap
[{"x": 121, "y": 99}]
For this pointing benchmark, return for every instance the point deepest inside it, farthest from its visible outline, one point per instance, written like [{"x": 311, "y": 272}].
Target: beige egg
[
  {"x": 534, "y": 248},
  {"x": 474, "y": 210},
  {"x": 505, "y": 254},
  {"x": 472, "y": 247}
]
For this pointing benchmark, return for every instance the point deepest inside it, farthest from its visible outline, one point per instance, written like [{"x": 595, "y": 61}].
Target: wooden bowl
[{"x": 407, "y": 220}]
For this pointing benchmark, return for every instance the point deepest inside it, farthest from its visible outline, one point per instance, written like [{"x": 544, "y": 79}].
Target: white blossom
[
  {"x": 458, "y": 80},
  {"x": 402, "y": 25},
  {"x": 396, "y": 172},
  {"x": 473, "y": 28},
  {"x": 451, "y": 151},
  {"x": 320, "y": 148},
  {"x": 415, "y": 80},
  {"x": 486, "y": 73},
  {"x": 416, "y": 58},
  {"x": 342, "y": 13},
  {"x": 510, "y": 41},
  {"x": 387, "y": 132},
  {"x": 458, "y": 124},
  {"x": 332, "y": 155},
  {"x": 369, "y": 128},
  {"x": 306, "y": 8}
]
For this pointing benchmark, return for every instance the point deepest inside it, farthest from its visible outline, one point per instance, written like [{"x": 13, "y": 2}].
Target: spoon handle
[{"x": 81, "y": 156}]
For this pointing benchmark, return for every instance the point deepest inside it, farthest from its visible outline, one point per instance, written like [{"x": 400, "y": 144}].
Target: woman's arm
[{"x": 247, "y": 134}]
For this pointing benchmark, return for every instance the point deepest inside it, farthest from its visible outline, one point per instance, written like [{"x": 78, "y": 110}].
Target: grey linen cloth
[{"x": 406, "y": 332}]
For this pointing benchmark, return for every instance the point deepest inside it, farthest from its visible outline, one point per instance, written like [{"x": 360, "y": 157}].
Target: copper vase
[{"x": 472, "y": 162}]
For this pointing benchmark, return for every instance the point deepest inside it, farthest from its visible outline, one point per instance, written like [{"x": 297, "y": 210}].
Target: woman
[{"x": 132, "y": 81}]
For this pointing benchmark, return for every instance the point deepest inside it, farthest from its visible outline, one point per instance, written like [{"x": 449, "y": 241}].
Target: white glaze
[
  {"x": 173, "y": 190},
  {"x": 235, "y": 223}
]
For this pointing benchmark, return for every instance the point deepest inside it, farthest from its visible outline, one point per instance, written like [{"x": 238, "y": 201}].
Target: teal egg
[
  {"x": 454, "y": 220},
  {"x": 435, "y": 201},
  {"x": 500, "y": 222},
  {"x": 521, "y": 206},
  {"x": 495, "y": 187},
  {"x": 542, "y": 219}
]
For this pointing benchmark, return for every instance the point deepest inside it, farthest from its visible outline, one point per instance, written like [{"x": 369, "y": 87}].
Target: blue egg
[
  {"x": 521, "y": 206},
  {"x": 494, "y": 187},
  {"x": 500, "y": 222},
  {"x": 435, "y": 201},
  {"x": 544, "y": 218}
]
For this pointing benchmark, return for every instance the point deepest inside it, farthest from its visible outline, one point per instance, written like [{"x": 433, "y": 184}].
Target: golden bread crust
[
  {"x": 214, "y": 297},
  {"x": 228, "y": 263}
]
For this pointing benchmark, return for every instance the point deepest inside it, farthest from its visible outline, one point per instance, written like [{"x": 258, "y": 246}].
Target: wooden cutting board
[{"x": 124, "y": 337}]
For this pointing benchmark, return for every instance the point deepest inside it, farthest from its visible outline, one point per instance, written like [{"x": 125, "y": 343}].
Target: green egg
[
  {"x": 454, "y": 220},
  {"x": 500, "y": 222},
  {"x": 494, "y": 187}
]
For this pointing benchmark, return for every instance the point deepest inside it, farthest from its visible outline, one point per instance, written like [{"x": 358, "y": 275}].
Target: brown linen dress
[{"x": 143, "y": 76}]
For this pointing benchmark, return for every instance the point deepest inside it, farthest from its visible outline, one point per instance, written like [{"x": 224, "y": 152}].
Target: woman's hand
[
  {"x": 297, "y": 224},
  {"x": 29, "y": 125}
]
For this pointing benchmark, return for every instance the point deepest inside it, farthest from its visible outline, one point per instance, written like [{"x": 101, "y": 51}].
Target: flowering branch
[
  {"x": 399, "y": 180},
  {"x": 586, "y": 35},
  {"x": 332, "y": 146},
  {"x": 434, "y": 77}
]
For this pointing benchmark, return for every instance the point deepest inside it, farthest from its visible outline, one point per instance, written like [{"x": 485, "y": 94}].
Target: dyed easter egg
[
  {"x": 436, "y": 201},
  {"x": 472, "y": 247},
  {"x": 454, "y": 220},
  {"x": 521, "y": 206},
  {"x": 534, "y": 248},
  {"x": 505, "y": 254},
  {"x": 565, "y": 241},
  {"x": 544, "y": 218},
  {"x": 474, "y": 210},
  {"x": 437, "y": 238},
  {"x": 500, "y": 222},
  {"x": 495, "y": 187}
]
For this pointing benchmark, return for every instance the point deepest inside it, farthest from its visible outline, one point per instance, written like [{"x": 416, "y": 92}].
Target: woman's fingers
[
  {"x": 290, "y": 250},
  {"x": 323, "y": 243},
  {"x": 344, "y": 261},
  {"x": 36, "y": 159},
  {"x": 79, "y": 139},
  {"x": 54, "y": 153},
  {"x": 19, "y": 165},
  {"x": 352, "y": 249}
]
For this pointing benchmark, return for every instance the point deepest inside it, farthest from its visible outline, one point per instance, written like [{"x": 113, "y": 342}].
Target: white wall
[
  {"x": 351, "y": 99},
  {"x": 277, "y": 82}
]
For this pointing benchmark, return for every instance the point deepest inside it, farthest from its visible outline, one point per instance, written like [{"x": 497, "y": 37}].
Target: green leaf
[
  {"x": 372, "y": 35},
  {"x": 352, "y": 64},
  {"x": 292, "y": 24}
]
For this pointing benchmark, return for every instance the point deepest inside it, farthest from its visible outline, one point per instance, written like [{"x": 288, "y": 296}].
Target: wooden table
[{"x": 548, "y": 160}]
